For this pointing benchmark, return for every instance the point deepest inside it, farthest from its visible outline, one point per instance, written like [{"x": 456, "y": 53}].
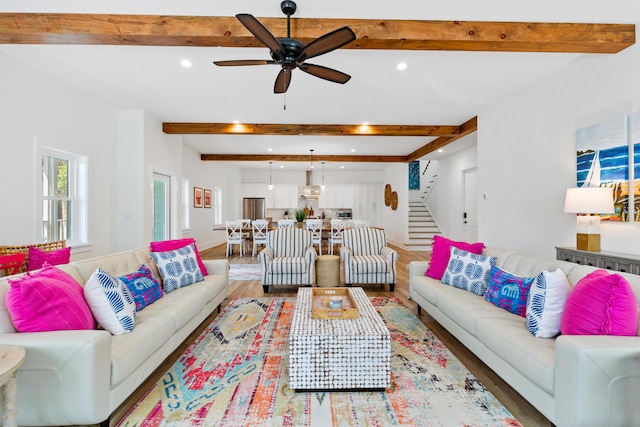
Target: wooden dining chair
[
  {"x": 337, "y": 228},
  {"x": 315, "y": 227},
  {"x": 260, "y": 229},
  {"x": 235, "y": 236}
]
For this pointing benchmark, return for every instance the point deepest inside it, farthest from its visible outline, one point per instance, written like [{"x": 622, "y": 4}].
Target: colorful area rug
[
  {"x": 235, "y": 374},
  {"x": 244, "y": 271}
]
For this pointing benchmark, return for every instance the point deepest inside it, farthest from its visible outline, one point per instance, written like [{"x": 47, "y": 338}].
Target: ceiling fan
[{"x": 290, "y": 53}]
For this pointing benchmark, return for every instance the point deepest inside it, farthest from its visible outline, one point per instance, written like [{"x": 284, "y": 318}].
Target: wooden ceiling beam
[
  {"x": 466, "y": 128},
  {"x": 156, "y": 30},
  {"x": 300, "y": 158},
  {"x": 309, "y": 129}
]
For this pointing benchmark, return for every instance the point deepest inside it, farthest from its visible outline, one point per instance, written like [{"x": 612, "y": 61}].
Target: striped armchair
[
  {"x": 288, "y": 258},
  {"x": 366, "y": 258}
]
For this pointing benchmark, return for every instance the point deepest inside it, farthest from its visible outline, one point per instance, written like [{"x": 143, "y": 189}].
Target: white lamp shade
[{"x": 590, "y": 200}]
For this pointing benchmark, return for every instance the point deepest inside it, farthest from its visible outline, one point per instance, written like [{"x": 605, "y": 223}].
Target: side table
[
  {"x": 328, "y": 270},
  {"x": 11, "y": 357}
]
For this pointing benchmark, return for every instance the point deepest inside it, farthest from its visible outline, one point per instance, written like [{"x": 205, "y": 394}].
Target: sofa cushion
[
  {"x": 38, "y": 257},
  {"x": 365, "y": 264},
  {"x": 48, "y": 300},
  {"x": 111, "y": 302},
  {"x": 287, "y": 265},
  {"x": 468, "y": 271},
  {"x": 178, "y": 268},
  {"x": 143, "y": 286},
  {"x": 129, "y": 351},
  {"x": 508, "y": 337},
  {"x": 508, "y": 291},
  {"x": 545, "y": 303},
  {"x": 171, "y": 245},
  {"x": 465, "y": 308},
  {"x": 601, "y": 304},
  {"x": 441, "y": 251}
]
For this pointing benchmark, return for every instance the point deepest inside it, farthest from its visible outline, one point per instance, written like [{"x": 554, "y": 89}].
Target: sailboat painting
[
  {"x": 635, "y": 140},
  {"x": 603, "y": 161}
]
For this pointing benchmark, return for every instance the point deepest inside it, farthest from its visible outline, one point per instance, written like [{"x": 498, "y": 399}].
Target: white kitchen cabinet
[
  {"x": 254, "y": 190},
  {"x": 335, "y": 197},
  {"x": 285, "y": 196},
  {"x": 367, "y": 203}
]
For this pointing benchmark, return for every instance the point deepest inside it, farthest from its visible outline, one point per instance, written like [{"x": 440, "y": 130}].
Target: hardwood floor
[{"x": 518, "y": 406}]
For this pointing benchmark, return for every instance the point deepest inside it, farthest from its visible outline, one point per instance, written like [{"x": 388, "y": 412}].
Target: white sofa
[
  {"x": 81, "y": 377},
  {"x": 573, "y": 380}
]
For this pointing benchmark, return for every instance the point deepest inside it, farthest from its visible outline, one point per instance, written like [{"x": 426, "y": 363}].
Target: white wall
[
  {"x": 37, "y": 111},
  {"x": 527, "y": 153},
  {"x": 209, "y": 175},
  {"x": 396, "y": 223},
  {"x": 449, "y": 202},
  {"x": 124, "y": 148}
]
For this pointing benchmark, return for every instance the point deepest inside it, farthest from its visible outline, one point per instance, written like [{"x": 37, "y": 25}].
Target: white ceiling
[{"x": 437, "y": 88}]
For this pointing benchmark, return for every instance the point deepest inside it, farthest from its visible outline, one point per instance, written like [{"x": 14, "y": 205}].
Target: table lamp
[{"x": 588, "y": 203}]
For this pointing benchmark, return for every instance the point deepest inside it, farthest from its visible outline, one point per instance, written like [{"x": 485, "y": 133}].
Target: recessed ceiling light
[
  {"x": 236, "y": 122},
  {"x": 365, "y": 123},
  {"x": 341, "y": 167},
  {"x": 440, "y": 150},
  {"x": 185, "y": 63},
  {"x": 353, "y": 150},
  {"x": 401, "y": 66},
  {"x": 269, "y": 149},
  {"x": 281, "y": 166}
]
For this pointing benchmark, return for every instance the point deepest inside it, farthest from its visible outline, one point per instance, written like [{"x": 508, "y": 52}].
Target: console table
[{"x": 626, "y": 263}]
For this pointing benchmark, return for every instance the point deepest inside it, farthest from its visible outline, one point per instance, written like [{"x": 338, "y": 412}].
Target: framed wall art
[
  {"x": 207, "y": 198},
  {"x": 603, "y": 161},
  {"x": 197, "y": 197}
]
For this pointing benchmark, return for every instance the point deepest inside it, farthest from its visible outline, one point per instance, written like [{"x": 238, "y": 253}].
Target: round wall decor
[
  {"x": 387, "y": 194},
  {"x": 394, "y": 200}
]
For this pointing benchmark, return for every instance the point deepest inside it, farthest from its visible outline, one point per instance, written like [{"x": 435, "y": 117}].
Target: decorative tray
[{"x": 322, "y": 309}]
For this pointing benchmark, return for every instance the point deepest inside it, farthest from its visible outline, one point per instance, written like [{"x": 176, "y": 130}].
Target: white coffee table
[{"x": 338, "y": 354}]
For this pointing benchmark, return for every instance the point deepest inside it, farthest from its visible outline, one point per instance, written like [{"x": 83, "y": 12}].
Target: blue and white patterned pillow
[
  {"x": 545, "y": 304},
  {"x": 110, "y": 302},
  {"x": 178, "y": 268},
  {"x": 508, "y": 291},
  {"x": 468, "y": 271}
]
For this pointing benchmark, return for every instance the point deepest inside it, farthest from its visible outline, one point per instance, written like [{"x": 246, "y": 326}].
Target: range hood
[{"x": 309, "y": 191}]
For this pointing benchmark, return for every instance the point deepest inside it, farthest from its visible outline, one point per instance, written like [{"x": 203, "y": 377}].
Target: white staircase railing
[{"x": 430, "y": 178}]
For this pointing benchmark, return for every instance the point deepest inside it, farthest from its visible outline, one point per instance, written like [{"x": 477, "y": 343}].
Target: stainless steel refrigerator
[{"x": 253, "y": 208}]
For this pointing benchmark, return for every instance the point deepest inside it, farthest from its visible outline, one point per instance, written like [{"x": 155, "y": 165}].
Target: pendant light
[
  {"x": 322, "y": 177},
  {"x": 270, "y": 181},
  {"x": 311, "y": 158}
]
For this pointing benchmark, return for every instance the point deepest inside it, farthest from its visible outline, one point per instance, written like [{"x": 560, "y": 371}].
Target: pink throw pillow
[
  {"x": 37, "y": 258},
  {"x": 600, "y": 304},
  {"x": 442, "y": 250},
  {"x": 172, "y": 245},
  {"x": 48, "y": 300}
]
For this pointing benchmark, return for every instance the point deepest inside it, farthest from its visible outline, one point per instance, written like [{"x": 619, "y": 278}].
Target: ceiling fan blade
[
  {"x": 262, "y": 34},
  {"x": 234, "y": 63},
  {"x": 325, "y": 73},
  {"x": 282, "y": 81},
  {"x": 326, "y": 43}
]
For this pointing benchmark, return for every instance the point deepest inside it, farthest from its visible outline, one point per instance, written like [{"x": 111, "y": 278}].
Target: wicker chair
[{"x": 24, "y": 249}]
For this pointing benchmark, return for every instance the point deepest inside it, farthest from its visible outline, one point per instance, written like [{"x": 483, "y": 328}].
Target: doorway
[
  {"x": 161, "y": 207},
  {"x": 470, "y": 194}
]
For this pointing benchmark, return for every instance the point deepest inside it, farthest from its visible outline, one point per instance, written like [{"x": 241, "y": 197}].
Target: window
[
  {"x": 217, "y": 206},
  {"x": 64, "y": 197},
  {"x": 185, "y": 204}
]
